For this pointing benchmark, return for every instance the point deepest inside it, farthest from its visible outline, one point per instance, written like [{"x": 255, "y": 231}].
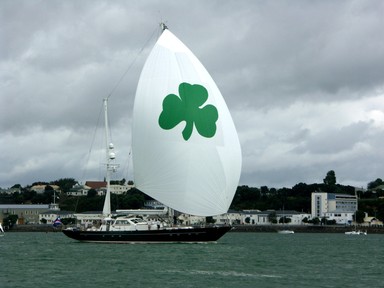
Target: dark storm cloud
[{"x": 303, "y": 80}]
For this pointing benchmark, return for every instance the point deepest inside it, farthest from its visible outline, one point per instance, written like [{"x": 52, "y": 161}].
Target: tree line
[{"x": 297, "y": 198}]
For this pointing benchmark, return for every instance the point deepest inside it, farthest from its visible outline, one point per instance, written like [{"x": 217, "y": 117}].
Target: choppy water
[{"x": 237, "y": 260}]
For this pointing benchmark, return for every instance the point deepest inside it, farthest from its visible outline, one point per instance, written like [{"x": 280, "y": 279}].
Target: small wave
[{"x": 224, "y": 273}]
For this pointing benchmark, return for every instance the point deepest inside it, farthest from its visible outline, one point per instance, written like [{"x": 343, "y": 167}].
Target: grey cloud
[{"x": 280, "y": 65}]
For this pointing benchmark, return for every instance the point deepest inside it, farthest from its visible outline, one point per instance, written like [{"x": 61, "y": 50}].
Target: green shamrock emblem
[{"x": 187, "y": 108}]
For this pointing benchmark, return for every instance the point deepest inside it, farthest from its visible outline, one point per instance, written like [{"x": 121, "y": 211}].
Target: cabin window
[{"x": 122, "y": 222}]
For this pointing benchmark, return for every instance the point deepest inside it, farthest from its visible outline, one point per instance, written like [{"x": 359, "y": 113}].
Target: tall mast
[{"x": 110, "y": 156}]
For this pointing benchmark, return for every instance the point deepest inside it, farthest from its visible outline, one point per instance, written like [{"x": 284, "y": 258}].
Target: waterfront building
[
  {"x": 115, "y": 189},
  {"x": 78, "y": 190},
  {"x": 39, "y": 189},
  {"x": 232, "y": 217},
  {"x": 257, "y": 217},
  {"x": 89, "y": 218},
  {"x": 296, "y": 218},
  {"x": 268, "y": 217},
  {"x": 26, "y": 213},
  {"x": 338, "y": 207},
  {"x": 249, "y": 217},
  {"x": 49, "y": 216},
  {"x": 100, "y": 187}
]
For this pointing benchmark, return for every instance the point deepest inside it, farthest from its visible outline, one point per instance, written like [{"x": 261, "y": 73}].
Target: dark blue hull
[{"x": 198, "y": 234}]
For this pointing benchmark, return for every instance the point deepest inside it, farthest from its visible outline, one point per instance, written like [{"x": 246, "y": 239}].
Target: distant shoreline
[
  {"x": 306, "y": 228},
  {"x": 237, "y": 228},
  {"x": 32, "y": 228}
]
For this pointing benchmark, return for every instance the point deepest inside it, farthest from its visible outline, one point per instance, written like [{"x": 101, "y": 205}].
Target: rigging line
[
  {"x": 126, "y": 166},
  {"x": 93, "y": 141},
  {"x": 130, "y": 66}
]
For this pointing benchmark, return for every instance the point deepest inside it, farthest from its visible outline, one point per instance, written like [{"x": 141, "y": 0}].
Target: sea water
[{"x": 236, "y": 260}]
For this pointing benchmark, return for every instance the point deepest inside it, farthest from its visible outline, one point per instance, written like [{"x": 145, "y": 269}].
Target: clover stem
[{"x": 187, "y": 132}]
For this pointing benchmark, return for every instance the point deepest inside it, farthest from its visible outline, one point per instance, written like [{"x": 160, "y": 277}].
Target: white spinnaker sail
[{"x": 198, "y": 176}]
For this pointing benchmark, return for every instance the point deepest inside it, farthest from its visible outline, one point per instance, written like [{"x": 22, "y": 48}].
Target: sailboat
[
  {"x": 285, "y": 231},
  {"x": 355, "y": 231},
  {"x": 186, "y": 151}
]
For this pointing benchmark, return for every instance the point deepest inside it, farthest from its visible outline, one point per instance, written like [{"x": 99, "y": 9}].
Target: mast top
[{"x": 163, "y": 26}]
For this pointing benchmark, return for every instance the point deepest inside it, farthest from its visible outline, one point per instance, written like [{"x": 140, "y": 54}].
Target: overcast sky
[{"x": 304, "y": 81}]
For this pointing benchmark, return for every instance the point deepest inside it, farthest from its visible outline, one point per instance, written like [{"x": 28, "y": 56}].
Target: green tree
[
  {"x": 359, "y": 216},
  {"x": 134, "y": 199},
  {"x": 330, "y": 179},
  {"x": 374, "y": 184},
  {"x": 118, "y": 182},
  {"x": 315, "y": 221},
  {"x": 272, "y": 217},
  {"x": 323, "y": 220},
  {"x": 210, "y": 220},
  {"x": 10, "y": 220},
  {"x": 246, "y": 198},
  {"x": 91, "y": 193},
  {"x": 28, "y": 196},
  {"x": 48, "y": 188},
  {"x": 285, "y": 220},
  {"x": 65, "y": 184}
]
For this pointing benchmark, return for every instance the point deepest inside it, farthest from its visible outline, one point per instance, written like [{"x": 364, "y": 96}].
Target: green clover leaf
[{"x": 187, "y": 108}]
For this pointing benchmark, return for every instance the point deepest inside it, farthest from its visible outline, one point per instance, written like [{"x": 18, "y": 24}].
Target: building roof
[
  {"x": 42, "y": 187},
  {"x": 96, "y": 184},
  {"x": 24, "y": 206},
  {"x": 57, "y": 212},
  {"x": 91, "y": 212},
  {"x": 286, "y": 212}
]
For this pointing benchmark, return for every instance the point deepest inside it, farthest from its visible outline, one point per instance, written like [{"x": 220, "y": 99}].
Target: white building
[
  {"x": 295, "y": 217},
  {"x": 78, "y": 190},
  {"x": 248, "y": 217},
  {"x": 39, "y": 189},
  {"x": 26, "y": 213},
  {"x": 338, "y": 207},
  {"x": 187, "y": 219},
  {"x": 256, "y": 217},
  {"x": 49, "y": 216},
  {"x": 115, "y": 189},
  {"x": 100, "y": 187},
  {"x": 89, "y": 218},
  {"x": 232, "y": 218}
]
